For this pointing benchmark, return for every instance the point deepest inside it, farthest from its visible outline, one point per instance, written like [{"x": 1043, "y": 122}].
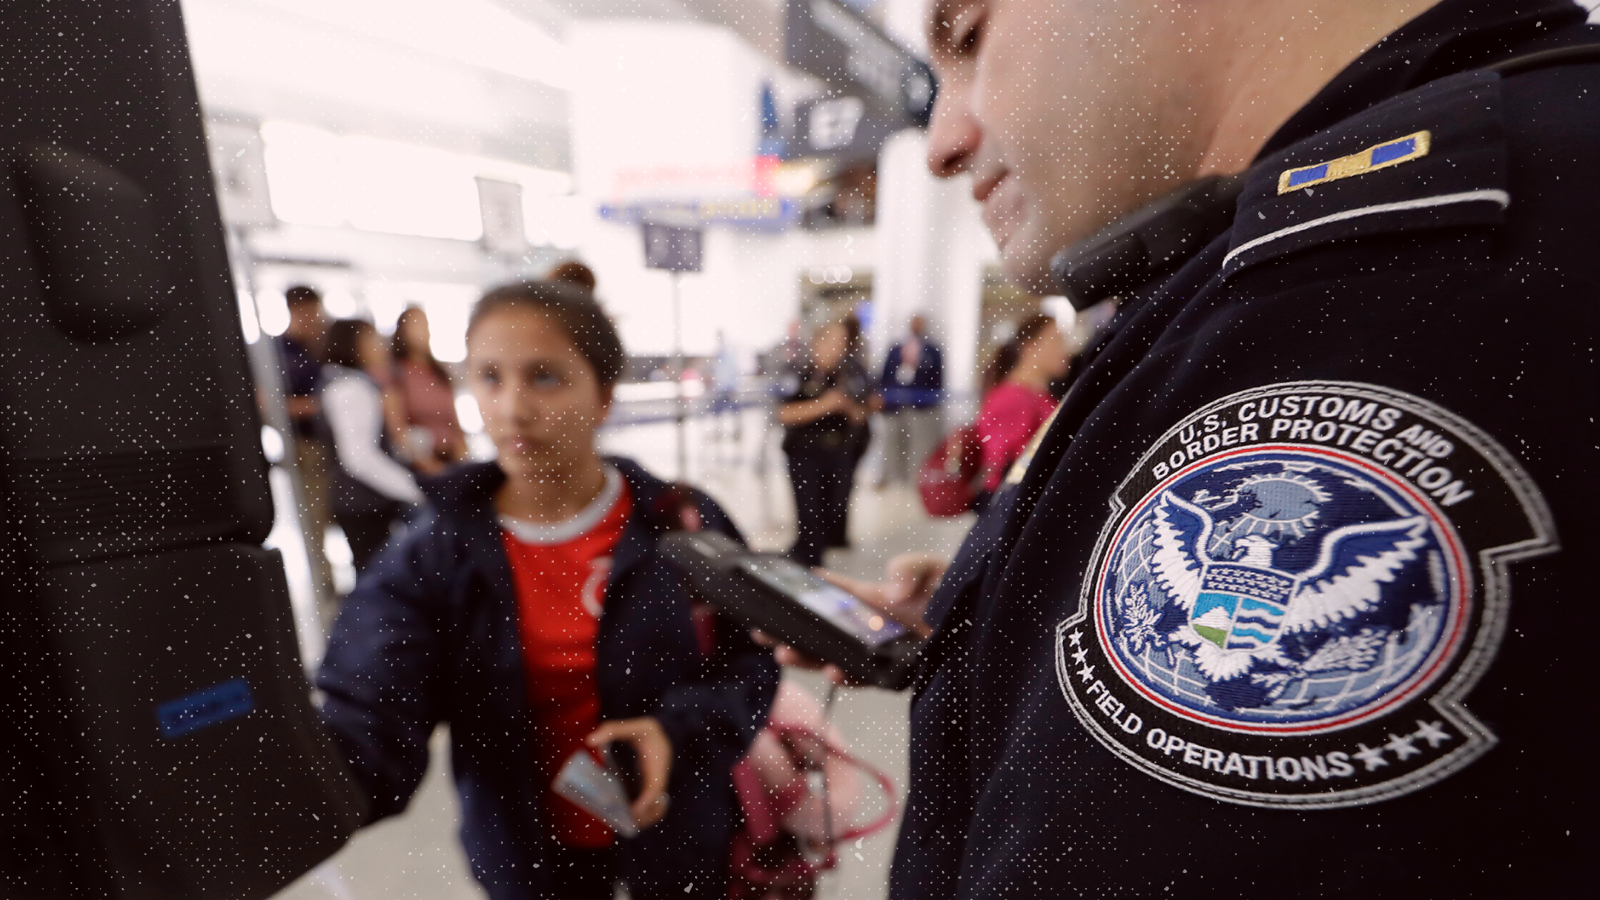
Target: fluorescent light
[
  {"x": 315, "y": 177},
  {"x": 305, "y": 174},
  {"x": 475, "y": 32},
  {"x": 447, "y": 306},
  {"x": 340, "y": 303},
  {"x": 248, "y": 318},
  {"x": 468, "y": 414},
  {"x": 407, "y": 189},
  {"x": 274, "y": 311}
]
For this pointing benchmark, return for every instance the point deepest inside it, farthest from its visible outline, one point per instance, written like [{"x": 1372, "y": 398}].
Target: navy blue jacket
[
  {"x": 1161, "y": 668},
  {"x": 430, "y": 636},
  {"x": 926, "y": 387}
]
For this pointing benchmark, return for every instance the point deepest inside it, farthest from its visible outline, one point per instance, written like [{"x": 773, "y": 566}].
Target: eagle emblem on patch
[{"x": 1295, "y": 591}]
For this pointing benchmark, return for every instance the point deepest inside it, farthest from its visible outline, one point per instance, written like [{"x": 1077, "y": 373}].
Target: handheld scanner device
[{"x": 792, "y": 604}]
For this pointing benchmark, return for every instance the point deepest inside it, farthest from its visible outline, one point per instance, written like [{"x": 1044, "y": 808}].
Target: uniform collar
[{"x": 1453, "y": 36}]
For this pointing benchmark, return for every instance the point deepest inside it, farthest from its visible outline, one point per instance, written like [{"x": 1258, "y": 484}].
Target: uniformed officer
[{"x": 1276, "y": 602}]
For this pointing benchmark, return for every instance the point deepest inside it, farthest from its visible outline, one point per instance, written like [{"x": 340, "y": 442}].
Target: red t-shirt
[
  {"x": 560, "y": 573},
  {"x": 1008, "y": 419}
]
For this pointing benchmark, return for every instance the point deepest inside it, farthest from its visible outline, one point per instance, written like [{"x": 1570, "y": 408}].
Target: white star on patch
[
  {"x": 1080, "y": 656},
  {"x": 1402, "y": 746},
  {"x": 1086, "y": 673},
  {"x": 1430, "y": 732},
  {"x": 1075, "y": 637},
  {"x": 1372, "y": 756}
]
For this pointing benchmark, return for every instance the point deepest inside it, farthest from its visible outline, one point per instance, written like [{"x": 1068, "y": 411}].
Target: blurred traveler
[
  {"x": 857, "y": 354},
  {"x": 371, "y": 487},
  {"x": 530, "y": 609},
  {"x": 726, "y": 376},
  {"x": 824, "y": 420},
  {"x": 574, "y": 273},
  {"x": 1016, "y": 397},
  {"x": 300, "y": 354},
  {"x": 912, "y": 388},
  {"x": 780, "y": 366},
  {"x": 790, "y": 354},
  {"x": 433, "y": 436}
]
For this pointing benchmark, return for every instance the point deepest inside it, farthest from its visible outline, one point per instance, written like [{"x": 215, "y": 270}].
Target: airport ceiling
[
  {"x": 759, "y": 21},
  {"x": 486, "y": 77}
]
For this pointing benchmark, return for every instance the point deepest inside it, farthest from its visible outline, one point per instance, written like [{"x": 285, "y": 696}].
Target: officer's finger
[
  {"x": 870, "y": 592},
  {"x": 914, "y": 575}
]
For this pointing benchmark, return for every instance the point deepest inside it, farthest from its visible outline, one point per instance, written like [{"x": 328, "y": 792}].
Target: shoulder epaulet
[{"x": 1432, "y": 157}]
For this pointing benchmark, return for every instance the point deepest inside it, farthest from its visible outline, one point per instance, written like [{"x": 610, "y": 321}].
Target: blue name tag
[{"x": 228, "y": 700}]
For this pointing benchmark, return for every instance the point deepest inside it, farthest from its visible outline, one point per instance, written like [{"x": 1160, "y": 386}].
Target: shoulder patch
[
  {"x": 1432, "y": 157},
  {"x": 1294, "y": 592}
]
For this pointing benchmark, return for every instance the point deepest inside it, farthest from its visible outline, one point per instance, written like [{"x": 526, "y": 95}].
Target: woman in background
[
  {"x": 824, "y": 420},
  {"x": 530, "y": 608},
  {"x": 370, "y": 485},
  {"x": 433, "y": 436},
  {"x": 1017, "y": 398}
]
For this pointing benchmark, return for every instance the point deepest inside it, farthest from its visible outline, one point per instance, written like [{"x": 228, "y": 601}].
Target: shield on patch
[{"x": 1240, "y": 607}]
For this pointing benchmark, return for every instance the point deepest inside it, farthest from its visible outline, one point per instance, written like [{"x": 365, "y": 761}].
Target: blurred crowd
[
  {"x": 372, "y": 413},
  {"x": 558, "y": 538}
]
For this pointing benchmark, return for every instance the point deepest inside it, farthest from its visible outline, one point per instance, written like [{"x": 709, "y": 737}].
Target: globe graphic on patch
[{"x": 1280, "y": 590}]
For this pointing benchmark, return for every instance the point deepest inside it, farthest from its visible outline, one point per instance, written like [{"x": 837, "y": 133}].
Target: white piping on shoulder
[{"x": 1500, "y": 197}]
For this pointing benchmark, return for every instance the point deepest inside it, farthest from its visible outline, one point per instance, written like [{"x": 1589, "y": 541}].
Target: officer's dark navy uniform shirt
[{"x": 1294, "y": 596}]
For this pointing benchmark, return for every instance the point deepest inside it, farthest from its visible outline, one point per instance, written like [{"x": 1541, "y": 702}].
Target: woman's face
[
  {"x": 829, "y": 346},
  {"x": 541, "y": 400},
  {"x": 374, "y": 352},
  {"x": 415, "y": 326}
]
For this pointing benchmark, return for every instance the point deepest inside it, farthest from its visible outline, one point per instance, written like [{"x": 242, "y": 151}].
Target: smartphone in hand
[{"x": 596, "y": 790}]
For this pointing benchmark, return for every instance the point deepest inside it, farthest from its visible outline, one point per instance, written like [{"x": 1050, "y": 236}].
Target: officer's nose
[{"x": 953, "y": 135}]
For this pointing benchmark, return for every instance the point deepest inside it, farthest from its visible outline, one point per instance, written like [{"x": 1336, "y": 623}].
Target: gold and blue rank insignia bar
[{"x": 1382, "y": 156}]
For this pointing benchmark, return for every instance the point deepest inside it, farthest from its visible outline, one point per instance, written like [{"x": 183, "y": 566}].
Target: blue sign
[{"x": 770, "y": 213}]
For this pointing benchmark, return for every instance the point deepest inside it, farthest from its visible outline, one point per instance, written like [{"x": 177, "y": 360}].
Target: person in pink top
[
  {"x": 432, "y": 434},
  {"x": 1017, "y": 397}
]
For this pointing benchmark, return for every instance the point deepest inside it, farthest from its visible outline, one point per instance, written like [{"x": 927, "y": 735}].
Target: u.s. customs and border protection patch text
[{"x": 1296, "y": 588}]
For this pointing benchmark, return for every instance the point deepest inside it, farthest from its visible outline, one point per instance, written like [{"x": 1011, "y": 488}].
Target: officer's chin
[{"x": 1026, "y": 264}]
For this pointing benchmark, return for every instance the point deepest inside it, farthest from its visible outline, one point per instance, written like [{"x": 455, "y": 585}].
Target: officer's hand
[
  {"x": 903, "y": 597},
  {"x": 654, "y": 752},
  {"x": 788, "y": 656}
]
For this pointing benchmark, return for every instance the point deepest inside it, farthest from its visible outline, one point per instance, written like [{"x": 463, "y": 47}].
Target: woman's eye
[{"x": 546, "y": 378}]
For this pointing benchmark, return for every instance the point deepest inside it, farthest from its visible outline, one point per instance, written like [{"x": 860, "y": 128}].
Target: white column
[{"x": 930, "y": 252}]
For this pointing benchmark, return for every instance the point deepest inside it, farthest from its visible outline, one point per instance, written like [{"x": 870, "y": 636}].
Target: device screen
[{"x": 843, "y": 610}]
